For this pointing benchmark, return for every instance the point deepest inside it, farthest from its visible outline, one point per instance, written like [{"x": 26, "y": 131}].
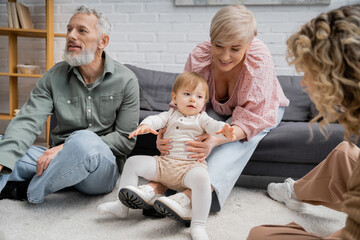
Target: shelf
[
  {"x": 59, "y": 34},
  {"x": 21, "y": 75},
  {"x": 35, "y": 33},
  {"x": 5, "y": 116},
  {"x": 12, "y": 74}
]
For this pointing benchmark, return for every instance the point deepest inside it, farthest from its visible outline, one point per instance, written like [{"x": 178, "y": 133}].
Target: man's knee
[
  {"x": 87, "y": 142},
  {"x": 82, "y": 136}
]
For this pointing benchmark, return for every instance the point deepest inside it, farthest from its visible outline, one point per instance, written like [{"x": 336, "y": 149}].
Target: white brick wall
[
  {"x": 158, "y": 35},
  {"x": 155, "y": 34}
]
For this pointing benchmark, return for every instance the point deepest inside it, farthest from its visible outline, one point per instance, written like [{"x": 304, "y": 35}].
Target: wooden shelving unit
[{"x": 13, "y": 34}]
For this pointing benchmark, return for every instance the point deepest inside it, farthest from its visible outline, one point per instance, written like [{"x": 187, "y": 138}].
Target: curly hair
[{"x": 327, "y": 50}]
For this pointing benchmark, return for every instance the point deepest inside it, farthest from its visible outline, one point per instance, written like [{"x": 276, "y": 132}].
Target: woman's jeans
[
  {"x": 85, "y": 162},
  {"x": 227, "y": 161}
]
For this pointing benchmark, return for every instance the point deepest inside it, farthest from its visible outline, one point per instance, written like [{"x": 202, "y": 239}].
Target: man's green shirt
[{"x": 109, "y": 107}]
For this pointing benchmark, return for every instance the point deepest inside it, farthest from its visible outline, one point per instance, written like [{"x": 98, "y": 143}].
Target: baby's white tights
[
  {"x": 198, "y": 181},
  {"x": 135, "y": 167}
]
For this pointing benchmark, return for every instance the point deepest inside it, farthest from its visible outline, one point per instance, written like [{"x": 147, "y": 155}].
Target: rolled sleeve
[
  {"x": 27, "y": 125},
  {"x": 250, "y": 122}
]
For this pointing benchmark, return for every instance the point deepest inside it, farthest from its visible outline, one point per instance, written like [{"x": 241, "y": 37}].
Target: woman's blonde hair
[
  {"x": 327, "y": 49},
  {"x": 233, "y": 23},
  {"x": 190, "y": 80}
]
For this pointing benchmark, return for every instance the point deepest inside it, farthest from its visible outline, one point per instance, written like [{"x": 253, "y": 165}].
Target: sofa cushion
[
  {"x": 144, "y": 104},
  {"x": 300, "y": 108},
  {"x": 155, "y": 87},
  {"x": 291, "y": 142}
]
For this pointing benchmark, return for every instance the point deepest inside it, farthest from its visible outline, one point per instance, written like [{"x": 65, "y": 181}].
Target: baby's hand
[
  {"x": 228, "y": 132},
  {"x": 142, "y": 129}
]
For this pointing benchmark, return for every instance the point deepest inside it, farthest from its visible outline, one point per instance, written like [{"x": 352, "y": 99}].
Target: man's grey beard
[{"x": 85, "y": 57}]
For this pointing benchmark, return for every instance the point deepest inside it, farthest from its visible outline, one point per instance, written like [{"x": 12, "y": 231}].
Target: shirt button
[
  {"x": 89, "y": 97},
  {"x": 90, "y": 125},
  {"x": 181, "y": 119},
  {"x": 111, "y": 97},
  {"x": 68, "y": 101},
  {"x": 177, "y": 127},
  {"x": 89, "y": 110}
]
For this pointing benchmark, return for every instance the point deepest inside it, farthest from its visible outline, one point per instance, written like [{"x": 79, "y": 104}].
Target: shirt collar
[{"x": 109, "y": 65}]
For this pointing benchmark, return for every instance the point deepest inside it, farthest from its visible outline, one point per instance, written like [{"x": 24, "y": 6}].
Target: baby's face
[{"x": 190, "y": 102}]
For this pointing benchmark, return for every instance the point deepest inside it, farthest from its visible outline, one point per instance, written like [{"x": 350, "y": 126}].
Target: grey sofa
[{"x": 287, "y": 151}]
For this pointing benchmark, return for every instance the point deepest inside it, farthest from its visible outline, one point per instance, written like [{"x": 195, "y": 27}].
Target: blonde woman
[
  {"x": 327, "y": 50},
  {"x": 244, "y": 92}
]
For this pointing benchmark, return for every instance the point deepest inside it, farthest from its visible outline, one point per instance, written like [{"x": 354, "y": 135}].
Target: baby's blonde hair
[
  {"x": 190, "y": 80},
  {"x": 233, "y": 23},
  {"x": 328, "y": 49}
]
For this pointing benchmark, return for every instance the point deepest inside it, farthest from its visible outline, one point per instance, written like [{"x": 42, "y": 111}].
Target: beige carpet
[{"x": 71, "y": 215}]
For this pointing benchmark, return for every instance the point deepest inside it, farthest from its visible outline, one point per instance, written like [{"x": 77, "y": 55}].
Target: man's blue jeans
[{"x": 85, "y": 162}]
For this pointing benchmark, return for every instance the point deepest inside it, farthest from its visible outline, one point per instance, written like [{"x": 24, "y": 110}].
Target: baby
[{"x": 176, "y": 171}]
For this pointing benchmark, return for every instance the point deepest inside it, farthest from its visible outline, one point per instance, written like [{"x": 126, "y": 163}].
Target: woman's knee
[
  {"x": 258, "y": 232},
  {"x": 344, "y": 146},
  {"x": 346, "y": 151}
]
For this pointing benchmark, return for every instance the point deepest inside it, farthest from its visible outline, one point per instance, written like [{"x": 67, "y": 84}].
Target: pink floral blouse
[{"x": 257, "y": 95}]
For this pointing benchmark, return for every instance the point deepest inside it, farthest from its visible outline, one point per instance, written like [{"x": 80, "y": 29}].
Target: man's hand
[
  {"x": 142, "y": 129},
  {"x": 163, "y": 145},
  {"x": 45, "y": 158},
  {"x": 1, "y": 167},
  {"x": 202, "y": 146}
]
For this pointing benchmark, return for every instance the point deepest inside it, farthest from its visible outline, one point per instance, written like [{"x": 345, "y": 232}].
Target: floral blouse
[{"x": 257, "y": 96}]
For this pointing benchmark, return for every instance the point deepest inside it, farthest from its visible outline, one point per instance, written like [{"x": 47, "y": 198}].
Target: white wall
[
  {"x": 153, "y": 34},
  {"x": 158, "y": 35}
]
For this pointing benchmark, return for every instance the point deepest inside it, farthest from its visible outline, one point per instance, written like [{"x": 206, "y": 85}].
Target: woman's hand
[
  {"x": 202, "y": 146},
  {"x": 163, "y": 145},
  {"x": 44, "y": 160}
]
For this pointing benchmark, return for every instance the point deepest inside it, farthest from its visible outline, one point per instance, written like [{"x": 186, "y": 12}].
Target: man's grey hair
[{"x": 104, "y": 26}]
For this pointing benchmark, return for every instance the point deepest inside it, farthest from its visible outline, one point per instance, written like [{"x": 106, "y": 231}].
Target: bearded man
[{"x": 96, "y": 103}]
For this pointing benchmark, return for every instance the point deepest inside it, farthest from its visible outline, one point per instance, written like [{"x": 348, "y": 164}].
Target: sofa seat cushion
[
  {"x": 277, "y": 169},
  {"x": 291, "y": 142}
]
